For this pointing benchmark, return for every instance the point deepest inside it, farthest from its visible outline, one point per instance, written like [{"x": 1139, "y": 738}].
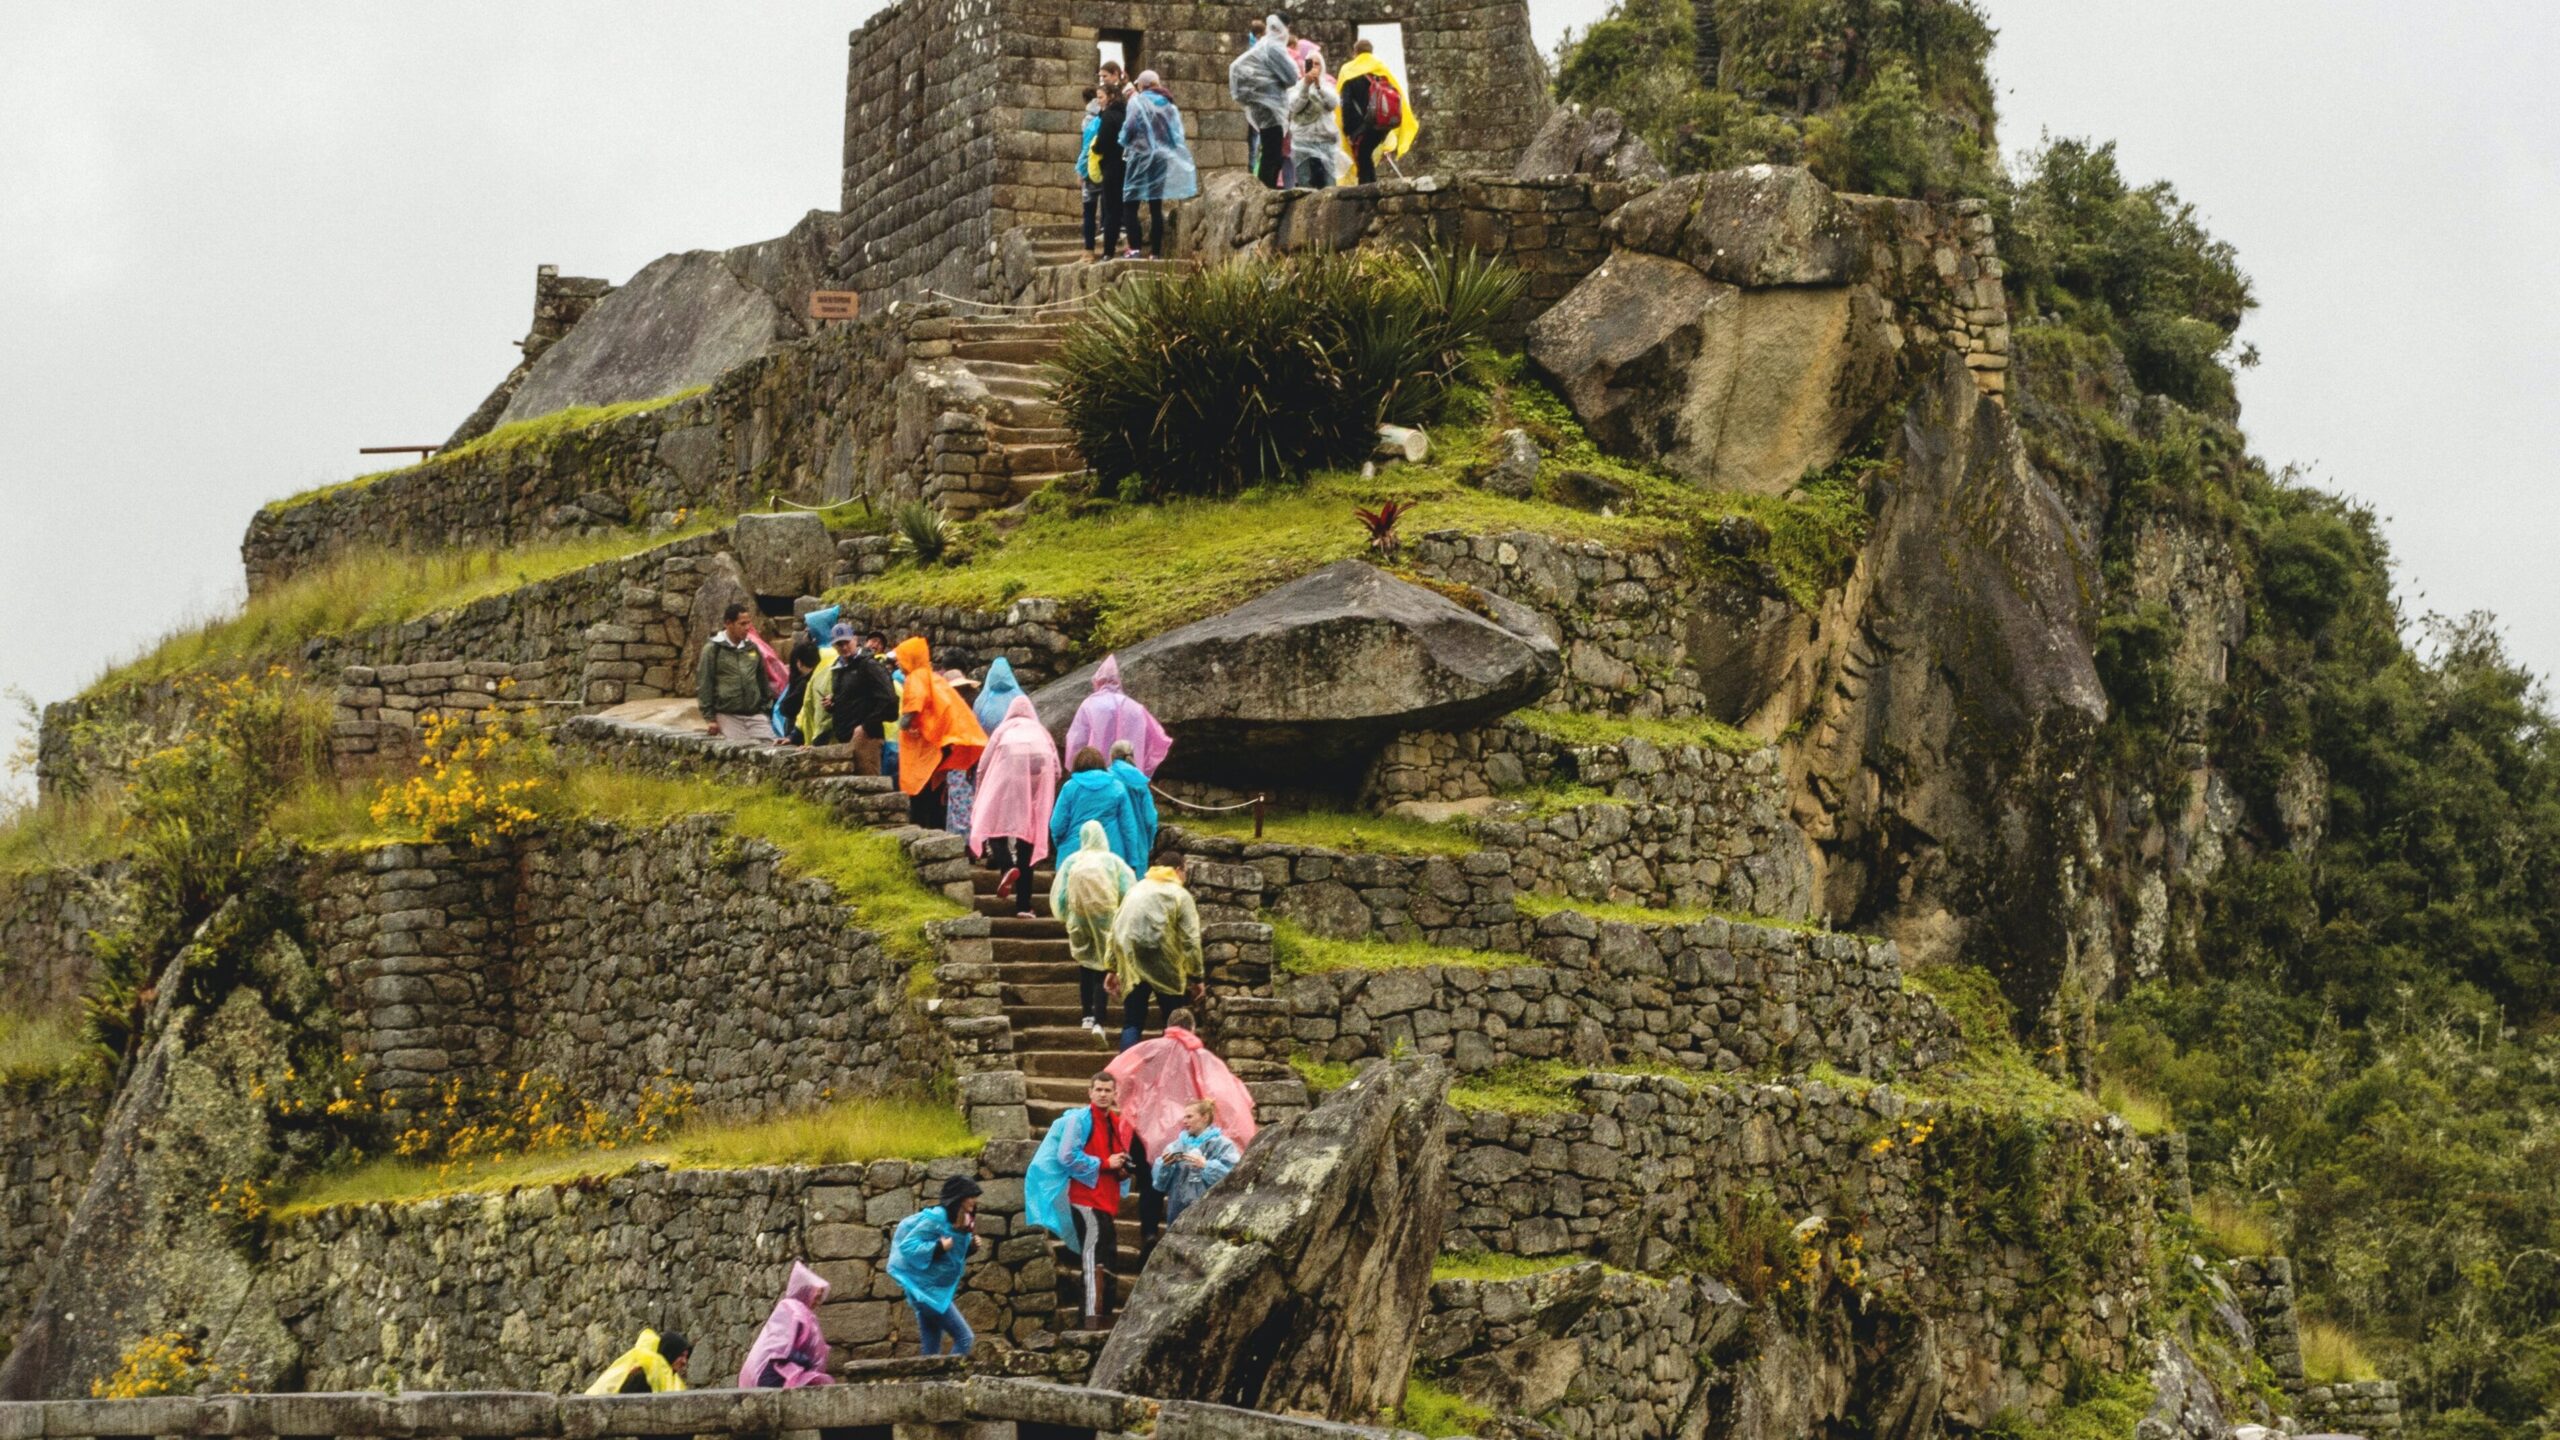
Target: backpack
[{"x": 1386, "y": 104}]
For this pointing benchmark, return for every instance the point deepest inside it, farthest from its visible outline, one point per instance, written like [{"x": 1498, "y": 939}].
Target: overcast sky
[{"x": 238, "y": 242}]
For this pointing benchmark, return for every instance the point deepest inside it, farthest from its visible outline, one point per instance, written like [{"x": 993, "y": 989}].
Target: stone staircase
[
  {"x": 1057, "y": 1055},
  {"x": 1012, "y": 441}
]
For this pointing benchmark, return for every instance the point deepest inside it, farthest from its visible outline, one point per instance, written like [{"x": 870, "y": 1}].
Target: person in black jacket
[
  {"x": 1115, "y": 163},
  {"x": 860, "y": 701},
  {"x": 804, "y": 661}
]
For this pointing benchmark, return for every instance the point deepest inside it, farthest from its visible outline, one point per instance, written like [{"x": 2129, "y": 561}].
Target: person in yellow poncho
[
  {"x": 1155, "y": 951},
  {"x": 1362, "y": 139},
  {"x": 655, "y": 1364}
]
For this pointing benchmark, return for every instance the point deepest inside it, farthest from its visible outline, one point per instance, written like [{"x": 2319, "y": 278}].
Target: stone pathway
[
  {"x": 1058, "y": 1056},
  {"x": 1027, "y": 442}
]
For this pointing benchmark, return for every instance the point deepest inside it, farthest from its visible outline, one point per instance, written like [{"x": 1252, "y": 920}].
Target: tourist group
[
  {"x": 1304, "y": 123},
  {"x": 1167, "y": 1119}
]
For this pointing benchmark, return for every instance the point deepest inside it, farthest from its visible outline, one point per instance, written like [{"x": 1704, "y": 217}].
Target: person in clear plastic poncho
[
  {"x": 1158, "y": 160},
  {"x": 1260, "y": 80},
  {"x": 1155, "y": 950},
  {"x": 1085, "y": 895}
]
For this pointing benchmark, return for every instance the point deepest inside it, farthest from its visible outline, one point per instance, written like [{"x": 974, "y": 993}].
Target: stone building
[{"x": 962, "y": 117}]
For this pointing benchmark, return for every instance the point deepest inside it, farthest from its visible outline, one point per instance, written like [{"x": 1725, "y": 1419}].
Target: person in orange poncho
[{"x": 937, "y": 733}]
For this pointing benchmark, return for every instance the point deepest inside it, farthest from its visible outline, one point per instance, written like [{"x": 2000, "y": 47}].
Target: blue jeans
[{"x": 932, "y": 1325}]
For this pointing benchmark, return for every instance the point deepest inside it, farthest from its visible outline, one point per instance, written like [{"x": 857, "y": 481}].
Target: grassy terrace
[
  {"x": 866, "y": 867},
  {"x": 1299, "y": 953},
  {"x": 1353, "y": 831},
  {"x": 540, "y": 430},
  {"x": 849, "y": 1133},
  {"x": 363, "y": 590},
  {"x": 1576, "y": 728},
  {"x": 43, "y": 1047}
]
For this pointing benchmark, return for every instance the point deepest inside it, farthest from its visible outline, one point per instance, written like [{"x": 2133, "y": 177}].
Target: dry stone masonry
[
  {"x": 1717, "y": 995},
  {"x": 614, "y": 959}
]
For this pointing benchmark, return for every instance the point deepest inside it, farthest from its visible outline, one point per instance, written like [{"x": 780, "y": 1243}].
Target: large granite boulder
[
  {"x": 1758, "y": 226},
  {"x": 1301, "y": 1282},
  {"x": 784, "y": 555},
  {"x": 1597, "y": 143},
  {"x": 1323, "y": 670},
  {"x": 1739, "y": 389},
  {"x": 683, "y": 321}
]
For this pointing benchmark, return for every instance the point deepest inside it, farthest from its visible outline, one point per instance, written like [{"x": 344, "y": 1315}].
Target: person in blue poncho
[
  {"x": 995, "y": 696},
  {"x": 929, "y": 1254},
  {"x": 1075, "y": 1182},
  {"x": 1158, "y": 160},
  {"x": 1142, "y": 800},
  {"x": 1092, "y": 792}
]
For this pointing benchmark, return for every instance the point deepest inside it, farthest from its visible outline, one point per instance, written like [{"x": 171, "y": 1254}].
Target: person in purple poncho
[
  {"x": 792, "y": 1351},
  {"x": 1108, "y": 716}
]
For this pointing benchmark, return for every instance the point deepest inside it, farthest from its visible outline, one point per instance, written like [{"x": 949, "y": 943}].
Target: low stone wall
[
  {"x": 1716, "y": 995},
  {"x": 544, "y": 1287},
  {"x": 2262, "y": 1286},
  {"x": 613, "y": 959},
  {"x": 48, "y": 1140},
  {"x": 2357, "y": 1407},
  {"x": 1691, "y": 827},
  {"x": 1040, "y": 638},
  {"x": 949, "y": 1404},
  {"x": 1549, "y": 228},
  {"x": 2029, "y": 1254},
  {"x": 46, "y": 921}
]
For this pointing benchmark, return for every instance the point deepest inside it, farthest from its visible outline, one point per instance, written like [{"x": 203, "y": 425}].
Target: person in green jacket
[{"x": 730, "y": 681}]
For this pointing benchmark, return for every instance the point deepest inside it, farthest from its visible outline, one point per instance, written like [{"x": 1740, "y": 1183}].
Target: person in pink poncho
[
  {"x": 792, "y": 1351},
  {"x": 1107, "y": 716},
  {"x": 1017, "y": 786},
  {"x": 1159, "y": 1079}
]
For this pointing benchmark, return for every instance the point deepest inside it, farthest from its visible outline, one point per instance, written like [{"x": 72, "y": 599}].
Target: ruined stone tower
[{"x": 962, "y": 117}]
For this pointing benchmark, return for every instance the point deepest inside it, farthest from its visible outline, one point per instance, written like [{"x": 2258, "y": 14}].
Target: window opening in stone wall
[
  {"x": 1126, "y": 46},
  {"x": 1387, "y": 39}
]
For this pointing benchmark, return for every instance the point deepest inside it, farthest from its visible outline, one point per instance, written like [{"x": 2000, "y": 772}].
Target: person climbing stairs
[{"x": 1058, "y": 1056}]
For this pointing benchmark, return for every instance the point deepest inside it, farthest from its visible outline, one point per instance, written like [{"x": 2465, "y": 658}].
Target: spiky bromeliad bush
[{"x": 1260, "y": 371}]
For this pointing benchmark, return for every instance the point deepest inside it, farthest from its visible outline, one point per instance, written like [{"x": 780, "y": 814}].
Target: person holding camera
[{"x": 1073, "y": 1185}]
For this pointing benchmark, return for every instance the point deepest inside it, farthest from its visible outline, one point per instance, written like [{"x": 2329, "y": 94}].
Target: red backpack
[{"x": 1386, "y": 103}]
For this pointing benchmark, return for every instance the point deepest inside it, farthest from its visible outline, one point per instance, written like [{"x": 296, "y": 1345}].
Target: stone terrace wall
[
  {"x": 1685, "y": 827},
  {"x": 544, "y": 1287},
  {"x": 1550, "y": 228},
  {"x": 1711, "y": 996},
  {"x": 46, "y": 917},
  {"x": 613, "y": 958},
  {"x": 1638, "y": 1346},
  {"x": 2020, "y": 1289},
  {"x": 922, "y": 132},
  {"x": 1627, "y": 621},
  {"x": 812, "y": 421},
  {"x": 48, "y": 1140}
]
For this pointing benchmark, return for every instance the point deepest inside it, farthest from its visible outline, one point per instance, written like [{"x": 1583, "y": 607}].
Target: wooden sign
[{"x": 834, "y": 304}]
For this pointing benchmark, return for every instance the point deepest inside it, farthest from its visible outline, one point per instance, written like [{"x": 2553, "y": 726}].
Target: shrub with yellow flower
[{"x": 464, "y": 793}]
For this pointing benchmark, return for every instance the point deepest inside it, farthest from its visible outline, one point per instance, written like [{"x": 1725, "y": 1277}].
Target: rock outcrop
[
  {"x": 1322, "y": 671},
  {"x": 1597, "y": 143},
  {"x": 1725, "y": 339},
  {"x": 1300, "y": 1283},
  {"x": 160, "y": 1240},
  {"x": 682, "y": 321}
]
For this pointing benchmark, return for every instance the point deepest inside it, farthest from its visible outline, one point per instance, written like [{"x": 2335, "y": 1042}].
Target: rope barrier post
[{"x": 1257, "y": 816}]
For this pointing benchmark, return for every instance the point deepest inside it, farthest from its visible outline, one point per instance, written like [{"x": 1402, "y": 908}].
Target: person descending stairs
[{"x": 1059, "y": 1057}]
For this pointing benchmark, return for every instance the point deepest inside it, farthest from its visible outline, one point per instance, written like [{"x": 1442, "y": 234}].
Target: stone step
[
  {"x": 1000, "y": 908},
  {"x": 1065, "y": 1037},
  {"x": 1075, "y": 1066},
  {"x": 1020, "y": 391},
  {"x": 1048, "y": 949},
  {"x": 1023, "y": 487},
  {"x": 1027, "y": 412},
  {"x": 1010, "y": 435},
  {"x": 986, "y": 877},
  {"x": 1024, "y": 351},
  {"x": 1009, "y": 927},
  {"x": 1040, "y": 995},
  {"x": 992, "y": 371},
  {"x": 1042, "y": 461},
  {"x": 1034, "y": 326}
]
